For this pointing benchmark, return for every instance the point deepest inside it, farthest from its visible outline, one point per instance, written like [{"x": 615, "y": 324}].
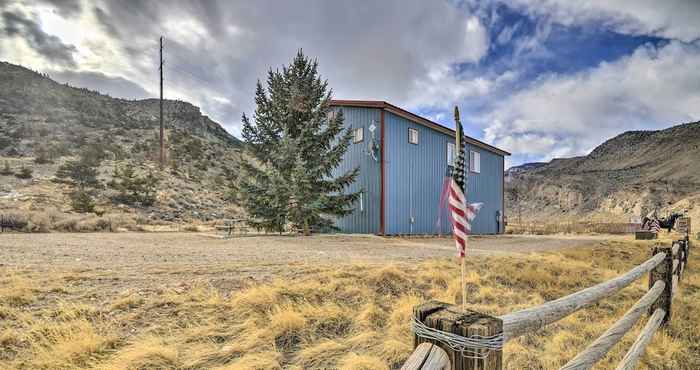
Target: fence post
[
  {"x": 682, "y": 250},
  {"x": 683, "y": 225},
  {"x": 663, "y": 272},
  {"x": 470, "y": 324}
]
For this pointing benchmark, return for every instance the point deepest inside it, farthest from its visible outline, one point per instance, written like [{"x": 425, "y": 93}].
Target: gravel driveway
[{"x": 119, "y": 260}]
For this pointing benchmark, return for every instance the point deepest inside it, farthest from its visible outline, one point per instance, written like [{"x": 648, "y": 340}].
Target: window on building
[
  {"x": 362, "y": 202},
  {"x": 358, "y": 135},
  {"x": 474, "y": 161},
  {"x": 451, "y": 155},
  {"x": 413, "y": 136}
]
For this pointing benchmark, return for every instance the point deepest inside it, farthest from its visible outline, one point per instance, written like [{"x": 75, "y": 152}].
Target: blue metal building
[{"x": 403, "y": 160}]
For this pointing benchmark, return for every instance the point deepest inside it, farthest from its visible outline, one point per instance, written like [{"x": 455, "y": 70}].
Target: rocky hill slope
[
  {"x": 628, "y": 175},
  {"x": 42, "y": 118}
]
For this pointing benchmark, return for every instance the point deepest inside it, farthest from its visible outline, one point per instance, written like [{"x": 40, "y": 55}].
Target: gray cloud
[
  {"x": 51, "y": 47},
  {"x": 426, "y": 56},
  {"x": 366, "y": 50},
  {"x": 110, "y": 85},
  {"x": 66, "y": 8},
  {"x": 676, "y": 19},
  {"x": 106, "y": 23}
]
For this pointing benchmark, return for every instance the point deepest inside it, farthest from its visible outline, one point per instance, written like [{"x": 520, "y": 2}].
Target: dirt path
[
  {"x": 125, "y": 250},
  {"x": 115, "y": 261}
]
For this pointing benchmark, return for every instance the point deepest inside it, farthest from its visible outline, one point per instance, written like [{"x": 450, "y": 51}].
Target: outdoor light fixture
[{"x": 373, "y": 147}]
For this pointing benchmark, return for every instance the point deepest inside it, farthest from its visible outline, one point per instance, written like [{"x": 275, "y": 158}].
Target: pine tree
[
  {"x": 81, "y": 174},
  {"x": 296, "y": 145},
  {"x": 148, "y": 188},
  {"x": 41, "y": 155},
  {"x": 24, "y": 172},
  {"x": 82, "y": 201},
  {"x": 134, "y": 188}
]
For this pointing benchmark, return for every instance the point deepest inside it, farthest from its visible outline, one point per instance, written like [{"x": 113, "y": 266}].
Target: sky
[{"x": 541, "y": 79}]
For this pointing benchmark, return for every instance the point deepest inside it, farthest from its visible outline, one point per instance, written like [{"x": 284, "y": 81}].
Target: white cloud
[
  {"x": 389, "y": 50},
  {"x": 565, "y": 115},
  {"x": 412, "y": 53},
  {"x": 676, "y": 19}
]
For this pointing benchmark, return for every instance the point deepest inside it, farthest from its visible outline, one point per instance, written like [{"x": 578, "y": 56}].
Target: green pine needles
[{"x": 294, "y": 145}]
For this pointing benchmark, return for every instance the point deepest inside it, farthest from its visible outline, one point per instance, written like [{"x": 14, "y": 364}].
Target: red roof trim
[{"x": 415, "y": 118}]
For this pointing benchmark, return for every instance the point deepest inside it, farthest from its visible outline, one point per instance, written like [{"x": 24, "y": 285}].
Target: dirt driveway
[{"x": 124, "y": 260}]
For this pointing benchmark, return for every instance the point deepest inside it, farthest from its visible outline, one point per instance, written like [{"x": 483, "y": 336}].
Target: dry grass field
[{"x": 64, "y": 304}]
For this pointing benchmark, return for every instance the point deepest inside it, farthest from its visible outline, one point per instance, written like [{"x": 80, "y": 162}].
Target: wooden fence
[
  {"x": 439, "y": 346},
  {"x": 572, "y": 228}
]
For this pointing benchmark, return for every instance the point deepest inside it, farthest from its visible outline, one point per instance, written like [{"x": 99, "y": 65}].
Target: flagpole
[
  {"x": 458, "y": 147},
  {"x": 464, "y": 285}
]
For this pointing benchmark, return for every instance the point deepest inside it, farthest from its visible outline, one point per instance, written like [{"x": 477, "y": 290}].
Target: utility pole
[{"x": 162, "y": 149}]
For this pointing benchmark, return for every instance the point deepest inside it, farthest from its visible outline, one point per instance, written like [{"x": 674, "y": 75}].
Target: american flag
[
  {"x": 461, "y": 215},
  {"x": 655, "y": 226}
]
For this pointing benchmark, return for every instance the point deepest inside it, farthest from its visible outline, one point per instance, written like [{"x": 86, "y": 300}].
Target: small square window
[
  {"x": 474, "y": 161},
  {"x": 332, "y": 114},
  {"x": 412, "y": 136},
  {"x": 358, "y": 135},
  {"x": 451, "y": 155}
]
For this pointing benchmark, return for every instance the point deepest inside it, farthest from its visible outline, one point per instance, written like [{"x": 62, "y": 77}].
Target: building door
[{"x": 411, "y": 201}]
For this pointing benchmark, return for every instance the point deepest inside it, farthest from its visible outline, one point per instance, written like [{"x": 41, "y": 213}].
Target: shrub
[
  {"x": 134, "y": 188},
  {"x": 69, "y": 224},
  {"x": 58, "y": 149},
  {"x": 5, "y": 142},
  {"x": 82, "y": 201},
  {"x": 42, "y": 156},
  {"x": 24, "y": 173},
  {"x": 103, "y": 224},
  {"x": 92, "y": 224},
  {"x": 39, "y": 222},
  {"x": 192, "y": 228},
  {"x": 6, "y": 169}
]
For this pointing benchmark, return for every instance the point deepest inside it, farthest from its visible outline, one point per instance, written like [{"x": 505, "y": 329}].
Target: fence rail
[
  {"x": 572, "y": 228},
  {"x": 665, "y": 269},
  {"x": 600, "y": 347},
  {"x": 530, "y": 319}
]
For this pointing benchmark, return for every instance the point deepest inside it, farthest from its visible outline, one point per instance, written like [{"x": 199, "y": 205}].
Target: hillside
[
  {"x": 628, "y": 175},
  {"x": 56, "y": 122}
]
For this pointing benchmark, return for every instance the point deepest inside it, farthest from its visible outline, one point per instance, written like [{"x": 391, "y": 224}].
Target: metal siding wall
[
  {"x": 414, "y": 178},
  {"x": 486, "y": 187},
  {"x": 368, "y": 180}
]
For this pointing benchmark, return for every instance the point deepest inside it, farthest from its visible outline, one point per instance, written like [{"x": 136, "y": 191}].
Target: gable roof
[{"x": 380, "y": 104}]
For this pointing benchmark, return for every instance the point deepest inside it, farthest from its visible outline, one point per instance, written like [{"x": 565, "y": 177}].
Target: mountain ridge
[
  {"x": 27, "y": 91},
  {"x": 627, "y": 176},
  {"x": 44, "y": 123}
]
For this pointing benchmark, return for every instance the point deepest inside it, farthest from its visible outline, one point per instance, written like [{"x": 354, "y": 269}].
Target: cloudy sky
[{"x": 541, "y": 79}]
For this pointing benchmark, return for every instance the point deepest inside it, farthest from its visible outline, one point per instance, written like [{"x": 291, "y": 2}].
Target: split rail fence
[
  {"x": 572, "y": 228},
  {"x": 448, "y": 338}
]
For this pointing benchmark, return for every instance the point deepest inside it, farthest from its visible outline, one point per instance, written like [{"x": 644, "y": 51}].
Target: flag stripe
[{"x": 461, "y": 214}]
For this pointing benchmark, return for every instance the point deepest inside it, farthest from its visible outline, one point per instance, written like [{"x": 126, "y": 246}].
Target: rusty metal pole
[{"x": 162, "y": 141}]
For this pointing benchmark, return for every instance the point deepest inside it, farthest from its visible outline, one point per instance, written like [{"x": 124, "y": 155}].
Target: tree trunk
[{"x": 307, "y": 232}]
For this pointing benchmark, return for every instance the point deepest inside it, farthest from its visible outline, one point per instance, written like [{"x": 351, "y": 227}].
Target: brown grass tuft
[
  {"x": 149, "y": 352},
  {"x": 17, "y": 290},
  {"x": 354, "y": 361},
  {"x": 350, "y": 316}
]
